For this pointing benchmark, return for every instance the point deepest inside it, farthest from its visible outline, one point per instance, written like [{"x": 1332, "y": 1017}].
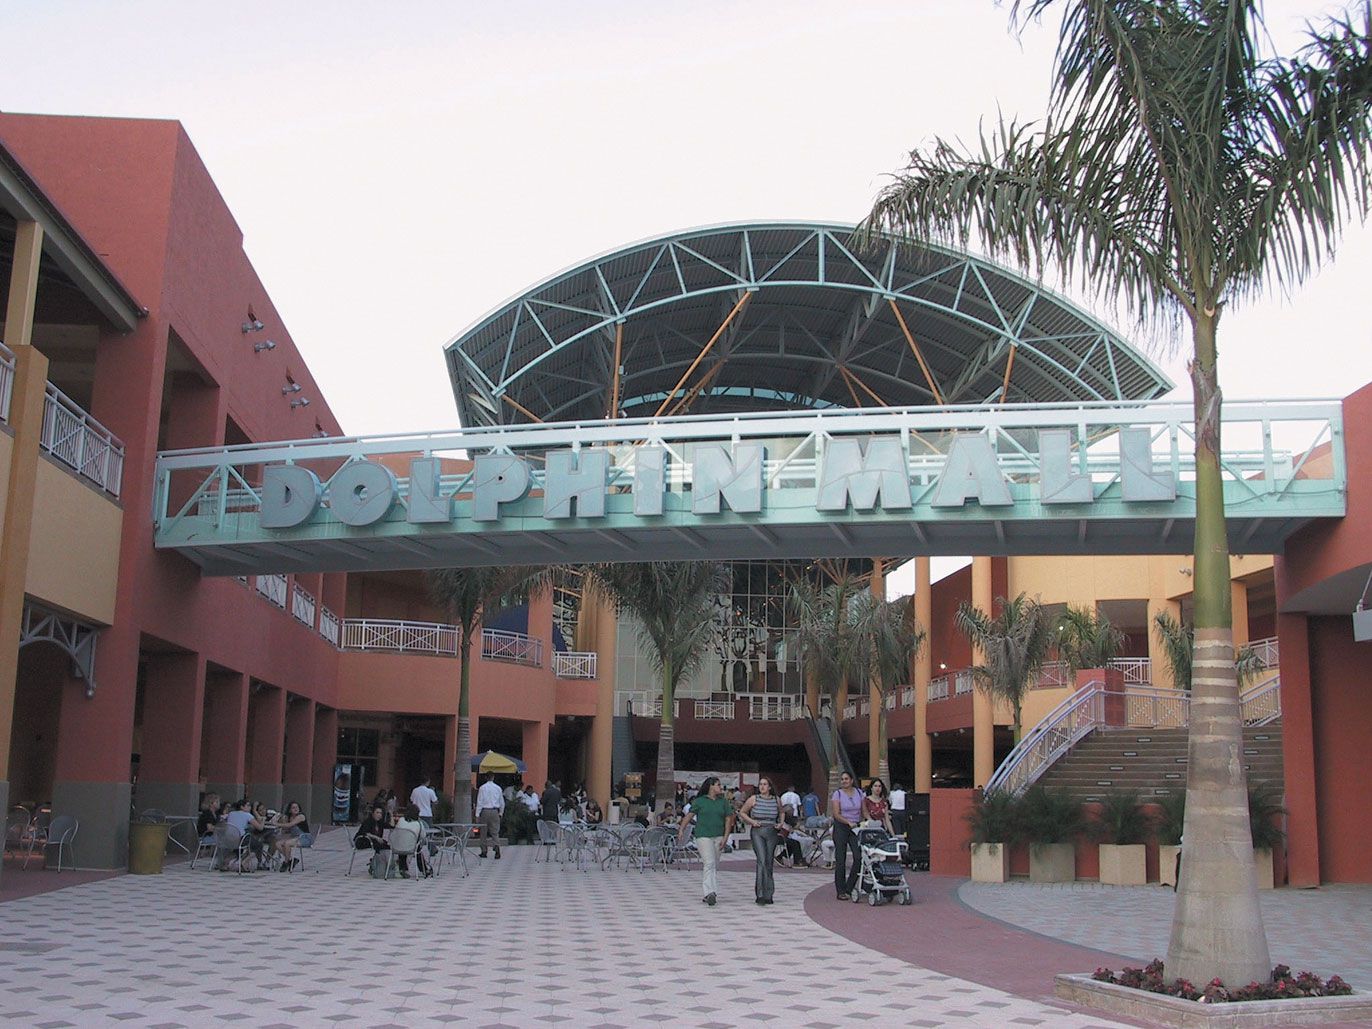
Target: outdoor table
[{"x": 456, "y": 837}]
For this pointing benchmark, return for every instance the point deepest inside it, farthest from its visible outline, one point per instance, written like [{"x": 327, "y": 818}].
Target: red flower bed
[{"x": 1283, "y": 985}]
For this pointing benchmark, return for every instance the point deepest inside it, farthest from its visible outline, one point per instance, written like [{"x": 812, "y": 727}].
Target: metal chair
[
  {"x": 16, "y": 825},
  {"x": 453, "y": 846},
  {"x": 229, "y": 844},
  {"x": 685, "y": 850},
  {"x": 61, "y": 833},
  {"x": 369, "y": 851},
  {"x": 649, "y": 849},
  {"x": 36, "y": 836},
  {"x": 404, "y": 843},
  {"x": 547, "y": 837}
]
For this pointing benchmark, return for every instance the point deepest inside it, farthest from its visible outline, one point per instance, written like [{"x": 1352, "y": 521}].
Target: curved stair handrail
[
  {"x": 1261, "y": 705},
  {"x": 1050, "y": 739}
]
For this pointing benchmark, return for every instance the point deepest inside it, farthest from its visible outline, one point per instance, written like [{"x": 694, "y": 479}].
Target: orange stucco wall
[{"x": 74, "y": 545}]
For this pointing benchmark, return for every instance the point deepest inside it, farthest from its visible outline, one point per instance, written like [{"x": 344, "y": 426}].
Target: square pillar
[
  {"x": 325, "y": 757},
  {"x": 983, "y": 710},
  {"x": 449, "y": 756},
  {"x": 226, "y": 733},
  {"x": 924, "y": 671},
  {"x": 536, "y": 753},
  {"x": 597, "y": 630},
  {"x": 1298, "y": 752},
  {"x": 299, "y": 761},
  {"x": 1238, "y": 605},
  {"x": 266, "y": 742},
  {"x": 173, "y": 713}
]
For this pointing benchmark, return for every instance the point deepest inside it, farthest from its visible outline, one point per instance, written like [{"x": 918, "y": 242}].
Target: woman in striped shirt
[{"x": 762, "y": 811}]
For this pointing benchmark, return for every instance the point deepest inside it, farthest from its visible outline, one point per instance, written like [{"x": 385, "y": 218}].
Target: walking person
[
  {"x": 762, "y": 812},
  {"x": 876, "y": 806},
  {"x": 713, "y": 816},
  {"x": 490, "y": 804},
  {"x": 898, "y": 808},
  {"x": 845, "y": 808}
]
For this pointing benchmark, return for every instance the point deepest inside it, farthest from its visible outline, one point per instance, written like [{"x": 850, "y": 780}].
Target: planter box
[
  {"x": 1164, "y": 1010},
  {"x": 990, "y": 862},
  {"x": 1262, "y": 867},
  {"x": 1052, "y": 863},
  {"x": 1123, "y": 864},
  {"x": 1167, "y": 863}
]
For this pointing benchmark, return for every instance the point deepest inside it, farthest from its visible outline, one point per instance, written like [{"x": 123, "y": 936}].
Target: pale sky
[{"x": 399, "y": 170}]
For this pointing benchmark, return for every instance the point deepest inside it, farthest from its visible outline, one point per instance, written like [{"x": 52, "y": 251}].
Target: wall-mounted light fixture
[
  {"x": 1186, "y": 571},
  {"x": 252, "y": 324},
  {"x": 266, "y": 344},
  {"x": 294, "y": 387},
  {"x": 300, "y": 402}
]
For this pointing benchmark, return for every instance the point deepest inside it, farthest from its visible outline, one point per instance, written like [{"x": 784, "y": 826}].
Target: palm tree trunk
[
  {"x": 462, "y": 762},
  {"x": 882, "y": 743},
  {"x": 1217, "y": 928},
  {"x": 840, "y": 702},
  {"x": 665, "y": 789}
]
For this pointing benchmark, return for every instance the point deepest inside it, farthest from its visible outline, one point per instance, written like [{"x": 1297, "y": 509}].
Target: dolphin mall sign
[{"x": 868, "y": 482}]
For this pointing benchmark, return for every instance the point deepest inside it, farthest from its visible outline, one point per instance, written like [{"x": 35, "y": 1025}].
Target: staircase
[
  {"x": 1153, "y": 761},
  {"x": 623, "y": 751}
]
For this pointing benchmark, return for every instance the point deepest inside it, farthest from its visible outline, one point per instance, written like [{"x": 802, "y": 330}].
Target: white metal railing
[
  {"x": 515, "y": 647},
  {"x": 963, "y": 681},
  {"x": 328, "y": 626},
  {"x": 399, "y": 637},
  {"x": 1053, "y": 675},
  {"x": 1095, "y": 705},
  {"x": 1137, "y": 671},
  {"x": 638, "y": 702},
  {"x": 1261, "y": 704},
  {"x": 6, "y": 381},
  {"x": 273, "y": 587},
  {"x": 303, "y": 605},
  {"x": 1267, "y": 650},
  {"x": 774, "y": 707},
  {"x": 940, "y": 688},
  {"x": 714, "y": 710},
  {"x": 850, "y": 710},
  {"x": 80, "y": 442},
  {"x": 574, "y": 664},
  {"x": 907, "y": 696}
]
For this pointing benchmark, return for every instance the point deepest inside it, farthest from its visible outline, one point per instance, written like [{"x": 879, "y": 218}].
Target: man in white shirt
[
  {"x": 490, "y": 804},
  {"x": 790, "y": 803},
  {"x": 424, "y": 798},
  {"x": 531, "y": 800},
  {"x": 898, "y": 809}
]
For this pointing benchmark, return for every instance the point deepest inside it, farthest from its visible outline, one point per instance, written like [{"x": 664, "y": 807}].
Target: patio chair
[
  {"x": 36, "y": 835},
  {"x": 61, "y": 833},
  {"x": 684, "y": 851},
  {"x": 626, "y": 839},
  {"x": 577, "y": 845},
  {"x": 453, "y": 847},
  {"x": 353, "y": 845},
  {"x": 404, "y": 843},
  {"x": 547, "y": 837},
  {"x": 16, "y": 825},
  {"x": 303, "y": 843},
  {"x": 230, "y": 844},
  {"x": 204, "y": 845},
  {"x": 648, "y": 849}
]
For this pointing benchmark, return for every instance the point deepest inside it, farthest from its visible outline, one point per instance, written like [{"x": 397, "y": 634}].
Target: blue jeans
[{"x": 764, "y": 849}]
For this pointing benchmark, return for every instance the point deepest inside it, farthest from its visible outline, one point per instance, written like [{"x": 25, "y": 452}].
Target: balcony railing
[
  {"x": 1138, "y": 671},
  {"x": 328, "y": 626},
  {"x": 907, "y": 696},
  {"x": 515, "y": 647},
  {"x": 773, "y": 707},
  {"x": 398, "y": 636},
  {"x": 574, "y": 664},
  {"x": 1267, "y": 650},
  {"x": 951, "y": 684},
  {"x": 273, "y": 587},
  {"x": 638, "y": 702},
  {"x": 303, "y": 605},
  {"x": 6, "y": 381},
  {"x": 1053, "y": 675},
  {"x": 80, "y": 442},
  {"x": 714, "y": 710}
]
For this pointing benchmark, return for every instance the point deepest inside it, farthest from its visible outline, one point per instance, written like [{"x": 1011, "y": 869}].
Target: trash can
[{"x": 147, "y": 847}]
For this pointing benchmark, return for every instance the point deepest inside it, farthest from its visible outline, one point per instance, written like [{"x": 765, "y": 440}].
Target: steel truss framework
[
  {"x": 1272, "y": 484},
  {"x": 75, "y": 637},
  {"x": 778, "y": 316}
]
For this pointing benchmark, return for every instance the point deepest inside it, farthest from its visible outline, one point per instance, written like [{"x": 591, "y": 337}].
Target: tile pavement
[
  {"x": 1325, "y": 931},
  {"x": 516, "y": 943}
]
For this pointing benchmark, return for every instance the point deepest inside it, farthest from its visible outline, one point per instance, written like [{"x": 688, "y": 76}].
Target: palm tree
[
  {"x": 832, "y": 634},
  {"x": 896, "y": 637},
  {"x": 1087, "y": 639},
  {"x": 1014, "y": 644},
  {"x": 1178, "y": 643},
  {"x": 1182, "y": 165},
  {"x": 674, "y": 604},
  {"x": 466, "y": 594}
]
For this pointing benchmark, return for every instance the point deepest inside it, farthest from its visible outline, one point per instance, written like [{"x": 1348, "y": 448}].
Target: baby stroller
[{"x": 881, "y": 876}]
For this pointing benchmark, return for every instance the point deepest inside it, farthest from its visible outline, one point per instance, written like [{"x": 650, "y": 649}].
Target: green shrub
[
  {"x": 1050, "y": 816},
  {"x": 1264, "y": 808},
  {"x": 994, "y": 818},
  {"x": 1171, "y": 821},
  {"x": 1122, "y": 819}
]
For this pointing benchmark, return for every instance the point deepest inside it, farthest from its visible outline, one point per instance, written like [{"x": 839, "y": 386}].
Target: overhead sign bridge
[{"x": 1033, "y": 479}]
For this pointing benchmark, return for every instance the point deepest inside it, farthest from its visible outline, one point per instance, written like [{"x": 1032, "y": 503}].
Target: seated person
[
  {"x": 251, "y": 829},
  {"x": 789, "y": 849},
  {"x": 371, "y": 834},
  {"x": 290, "y": 826},
  {"x": 668, "y": 818},
  {"x": 594, "y": 816},
  {"x": 566, "y": 811},
  {"x": 208, "y": 817},
  {"x": 410, "y": 820}
]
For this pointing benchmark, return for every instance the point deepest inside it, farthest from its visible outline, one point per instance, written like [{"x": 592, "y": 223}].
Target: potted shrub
[
  {"x": 993, "y": 821},
  {"x": 1050, "y": 820},
  {"x": 1168, "y": 827},
  {"x": 1123, "y": 828},
  {"x": 1264, "y": 813}
]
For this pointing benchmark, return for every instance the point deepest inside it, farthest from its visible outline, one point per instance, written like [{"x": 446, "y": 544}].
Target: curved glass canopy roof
[{"x": 766, "y": 316}]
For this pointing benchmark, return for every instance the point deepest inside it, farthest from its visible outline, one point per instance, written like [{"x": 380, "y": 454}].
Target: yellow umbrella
[{"x": 490, "y": 761}]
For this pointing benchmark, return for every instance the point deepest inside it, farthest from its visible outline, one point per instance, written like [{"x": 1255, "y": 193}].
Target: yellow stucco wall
[
  {"x": 74, "y": 547},
  {"x": 6, "y": 449},
  {"x": 1082, "y": 581}
]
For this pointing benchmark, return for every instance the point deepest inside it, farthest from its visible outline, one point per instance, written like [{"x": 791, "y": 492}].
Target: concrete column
[
  {"x": 325, "y": 757},
  {"x": 874, "y": 702},
  {"x": 226, "y": 713},
  {"x": 173, "y": 716},
  {"x": 267, "y": 718},
  {"x": 1238, "y": 600},
  {"x": 924, "y": 670},
  {"x": 1298, "y": 752},
  {"x": 983, "y": 710},
  {"x": 450, "y": 756},
  {"x": 26, "y": 422},
  {"x": 536, "y": 753},
  {"x": 1160, "y": 670},
  {"x": 298, "y": 772},
  {"x": 600, "y": 635}
]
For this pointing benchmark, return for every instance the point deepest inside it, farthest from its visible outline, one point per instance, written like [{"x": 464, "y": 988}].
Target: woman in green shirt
[{"x": 713, "y": 816}]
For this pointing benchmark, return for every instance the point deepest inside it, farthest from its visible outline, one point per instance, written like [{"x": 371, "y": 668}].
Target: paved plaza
[{"x": 520, "y": 943}]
